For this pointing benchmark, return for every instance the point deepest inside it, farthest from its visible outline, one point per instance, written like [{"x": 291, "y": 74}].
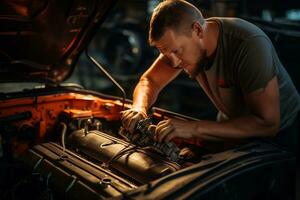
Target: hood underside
[{"x": 42, "y": 39}]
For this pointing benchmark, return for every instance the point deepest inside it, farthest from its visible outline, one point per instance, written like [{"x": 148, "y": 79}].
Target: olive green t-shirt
[{"x": 245, "y": 60}]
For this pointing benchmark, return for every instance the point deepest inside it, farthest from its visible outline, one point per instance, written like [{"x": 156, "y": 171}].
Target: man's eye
[{"x": 177, "y": 51}]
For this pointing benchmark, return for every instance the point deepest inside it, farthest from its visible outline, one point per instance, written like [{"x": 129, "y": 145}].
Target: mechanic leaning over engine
[{"x": 236, "y": 65}]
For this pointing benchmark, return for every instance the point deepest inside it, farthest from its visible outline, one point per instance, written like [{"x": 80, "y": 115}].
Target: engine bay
[{"x": 78, "y": 140}]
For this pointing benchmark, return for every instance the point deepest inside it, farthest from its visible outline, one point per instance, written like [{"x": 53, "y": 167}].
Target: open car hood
[{"x": 42, "y": 39}]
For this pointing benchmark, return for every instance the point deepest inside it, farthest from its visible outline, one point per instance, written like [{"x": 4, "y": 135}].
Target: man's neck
[{"x": 211, "y": 32}]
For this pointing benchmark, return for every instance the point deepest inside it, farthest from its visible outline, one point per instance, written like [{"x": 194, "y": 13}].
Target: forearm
[
  {"x": 151, "y": 83},
  {"x": 144, "y": 95},
  {"x": 238, "y": 128}
]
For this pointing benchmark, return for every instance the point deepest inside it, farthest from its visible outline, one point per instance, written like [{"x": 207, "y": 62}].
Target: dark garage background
[{"x": 121, "y": 47}]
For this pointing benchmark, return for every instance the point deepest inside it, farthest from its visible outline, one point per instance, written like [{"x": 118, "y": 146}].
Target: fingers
[
  {"x": 126, "y": 116},
  {"x": 130, "y": 118},
  {"x": 126, "y": 113},
  {"x": 164, "y": 131},
  {"x": 152, "y": 128},
  {"x": 133, "y": 122},
  {"x": 186, "y": 153}
]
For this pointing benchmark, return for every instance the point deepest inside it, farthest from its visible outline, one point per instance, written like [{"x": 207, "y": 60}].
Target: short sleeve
[{"x": 256, "y": 67}]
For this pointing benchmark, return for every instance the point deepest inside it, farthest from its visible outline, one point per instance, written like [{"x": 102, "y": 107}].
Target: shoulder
[{"x": 237, "y": 28}]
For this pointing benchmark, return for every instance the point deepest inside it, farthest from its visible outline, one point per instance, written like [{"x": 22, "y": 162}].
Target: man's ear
[{"x": 198, "y": 29}]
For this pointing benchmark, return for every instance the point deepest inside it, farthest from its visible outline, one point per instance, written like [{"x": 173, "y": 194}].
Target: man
[{"x": 234, "y": 62}]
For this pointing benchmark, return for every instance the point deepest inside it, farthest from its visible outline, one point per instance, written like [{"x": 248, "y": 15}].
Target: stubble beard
[{"x": 199, "y": 65}]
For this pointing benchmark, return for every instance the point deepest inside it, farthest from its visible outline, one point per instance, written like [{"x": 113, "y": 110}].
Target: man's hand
[
  {"x": 131, "y": 117},
  {"x": 167, "y": 130}
]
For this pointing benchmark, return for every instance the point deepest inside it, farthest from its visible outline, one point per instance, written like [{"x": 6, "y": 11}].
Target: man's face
[{"x": 184, "y": 51}]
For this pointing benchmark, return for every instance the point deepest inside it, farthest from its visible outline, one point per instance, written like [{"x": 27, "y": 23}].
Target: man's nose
[{"x": 175, "y": 60}]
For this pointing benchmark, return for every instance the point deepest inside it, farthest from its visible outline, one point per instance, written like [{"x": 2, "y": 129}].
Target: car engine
[{"x": 75, "y": 145}]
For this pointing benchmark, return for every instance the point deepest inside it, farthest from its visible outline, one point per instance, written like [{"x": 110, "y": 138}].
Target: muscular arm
[
  {"x": 146, "y": 91},
  {"x": 263, "y": 120},
  {"x": 151, "y": 83}
]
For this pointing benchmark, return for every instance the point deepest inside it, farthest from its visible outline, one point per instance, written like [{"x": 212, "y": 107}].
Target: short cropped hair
[{"x": 174, "y": 14}]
